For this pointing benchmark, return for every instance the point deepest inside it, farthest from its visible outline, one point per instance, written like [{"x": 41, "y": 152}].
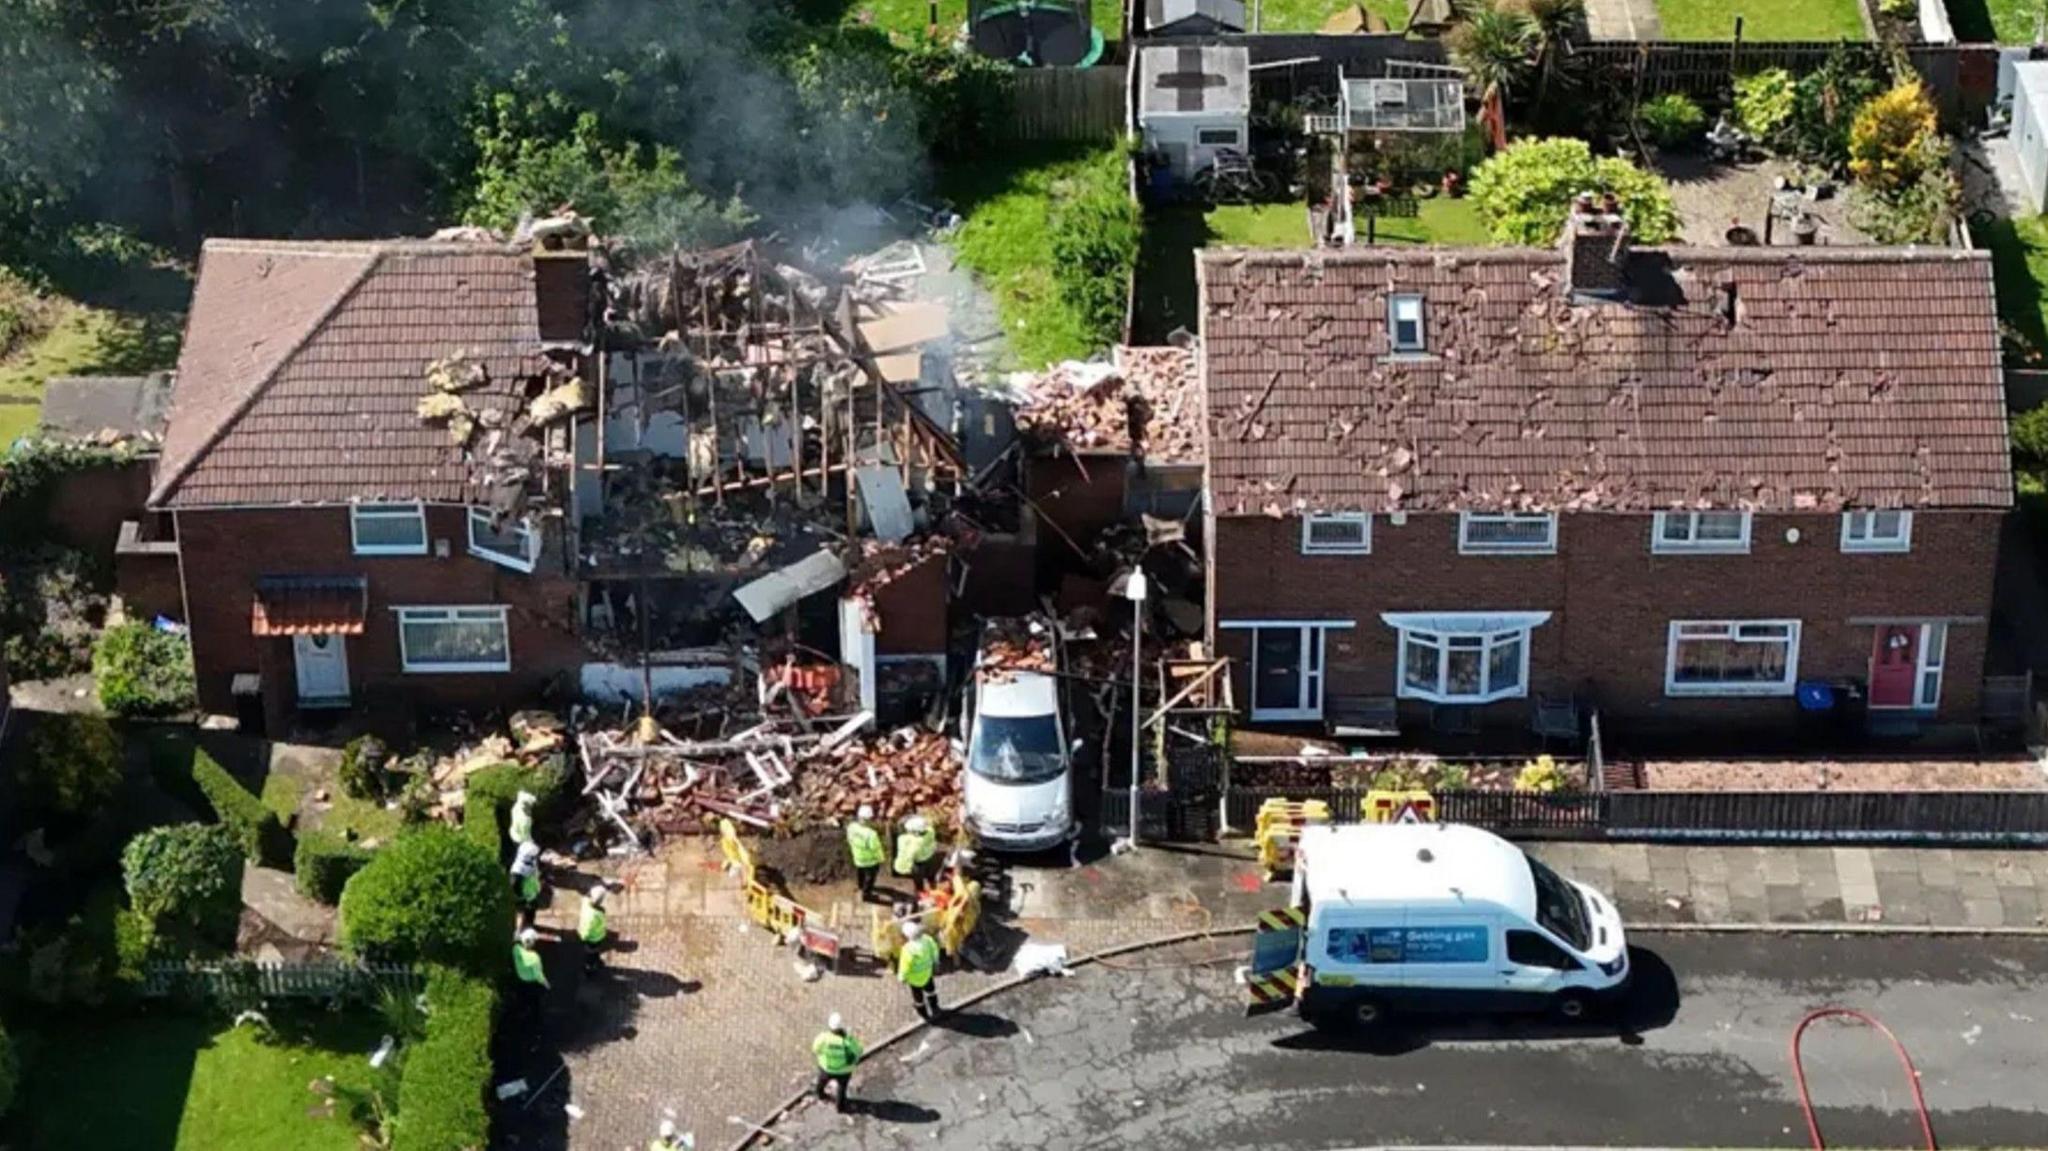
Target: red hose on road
[{"x": 1906, "y": 1061}]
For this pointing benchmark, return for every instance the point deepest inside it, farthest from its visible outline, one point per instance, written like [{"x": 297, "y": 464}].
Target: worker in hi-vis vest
[
  {"x": 865, "y": 844},
  {"x": 917, "y": 965},
  {"x": 668, "y": 1140},
  {"x": 521, "y": 828},
  {"x": 917, "y": 850},
  {"x": 592, "y": 928},
  {"x": 526, "y": 962},
  {"x": 526, "y": 881},
  {"x": 837, "y": 1051}
]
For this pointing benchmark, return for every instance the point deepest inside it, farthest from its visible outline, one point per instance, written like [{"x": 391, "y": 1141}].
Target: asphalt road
[{"x": 1156, "y": 1053}]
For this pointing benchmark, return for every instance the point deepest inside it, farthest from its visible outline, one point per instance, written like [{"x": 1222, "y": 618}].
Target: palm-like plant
[
  {"x": 1494, "y": 46},
  {"x": 1553, "y": 24}
]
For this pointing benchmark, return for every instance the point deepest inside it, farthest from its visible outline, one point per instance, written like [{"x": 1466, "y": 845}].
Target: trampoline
[{"x": 1033, "y": 33}]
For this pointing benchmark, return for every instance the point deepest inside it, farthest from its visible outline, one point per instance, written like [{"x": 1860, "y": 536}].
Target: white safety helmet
[
  {"x": 912, "y": 929},
  {"x": 525, "y": 799},
  {"x": 596, "y": 896},
  {"x": 915, "y": 823},
  {"x": 527, "y": 855},
  {"x": 867, "y": 811},
  {"x": 668, "y": 1129},
  {"x": 529, "y": 937},
  {"x": 835, "y": 1023}
]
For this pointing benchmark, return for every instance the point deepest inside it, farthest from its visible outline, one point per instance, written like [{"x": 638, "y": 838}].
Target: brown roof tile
[
  {"x": 1864, "y": 377},
  {"x": 304, "y": 363}
]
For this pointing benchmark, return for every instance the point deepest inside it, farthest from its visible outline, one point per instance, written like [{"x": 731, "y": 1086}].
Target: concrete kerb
[{"x": 752, "y": 1136}]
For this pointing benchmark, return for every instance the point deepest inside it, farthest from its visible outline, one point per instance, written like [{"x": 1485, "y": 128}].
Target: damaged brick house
[
  {"x": 1711, "y": 491},
  {"x": 342, "y": 536}
]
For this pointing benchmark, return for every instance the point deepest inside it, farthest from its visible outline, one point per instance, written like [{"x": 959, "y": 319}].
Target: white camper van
[{"x": 1445, "y": 917}]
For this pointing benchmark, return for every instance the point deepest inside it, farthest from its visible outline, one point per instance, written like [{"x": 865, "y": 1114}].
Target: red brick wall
[
  {"x": 1082, "y": 498},
  {"x": 1612, "y": 602},
  {"x": 147, "y": 581},
  {"x": 224, "y": 553},
  {"x": 86, "y": 507}
]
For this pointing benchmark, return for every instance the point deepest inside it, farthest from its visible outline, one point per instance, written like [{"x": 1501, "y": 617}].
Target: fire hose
[{"x": 1905, "y": 1061}]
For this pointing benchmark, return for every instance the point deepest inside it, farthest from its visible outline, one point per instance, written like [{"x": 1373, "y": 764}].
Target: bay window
[{"x": 1463, "y": 657}]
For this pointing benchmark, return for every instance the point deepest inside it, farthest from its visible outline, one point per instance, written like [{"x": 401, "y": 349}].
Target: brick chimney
[{"x": 1596, "y": 248}]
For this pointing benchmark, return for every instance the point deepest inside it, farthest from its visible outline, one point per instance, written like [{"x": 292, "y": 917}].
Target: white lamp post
[{"x": 1134, "y": 590}]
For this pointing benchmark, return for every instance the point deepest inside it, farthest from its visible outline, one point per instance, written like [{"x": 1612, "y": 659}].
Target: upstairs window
[
  {"x": 512, "y": 543},
  {"x": 1345, "y": 534},
  {"x": 1404, "y": 324},
  {"x": 388, "y": 529},
  {"x": 1700, "y": 532},
  {"x": 1506, "y": 534},
  {"x": 1877, "y": 531}
]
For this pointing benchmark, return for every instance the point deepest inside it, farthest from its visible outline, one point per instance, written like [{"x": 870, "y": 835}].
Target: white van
[
  {"x": 1446, "y": 917},
  {"x": 1019, "y": 787}
]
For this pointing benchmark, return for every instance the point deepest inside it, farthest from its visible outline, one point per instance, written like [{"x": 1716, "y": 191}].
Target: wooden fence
[
  {"x": 1962, "y": 78},
  {"x": 241, "y": 980},
  {"x": 1066, "y": 104}
]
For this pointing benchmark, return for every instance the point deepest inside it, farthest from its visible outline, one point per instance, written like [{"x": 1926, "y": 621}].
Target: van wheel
[
  {"x": 1368, "y": 1012},
  {"x": 1571, "y": 1006}
]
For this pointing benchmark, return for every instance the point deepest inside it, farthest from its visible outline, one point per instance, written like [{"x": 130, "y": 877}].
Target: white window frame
[
  {"x": 452, "y": 614},
  {"x": 1932, "y": 662},
  {"x": 1467, "y": 547},
  {"x": 1420, "y": 343},
  {"x": 413, "y": 510},
  {"x": 1733, "y": 627},
  {"x": 1445, "y": 630},
  {"x": 1692, "y": 544},
  {"x": 1857, "y": 537},
  {"x": 478, "y": 516},
  {"x": 1314, "y": 663},
  {"x": 1362, "y": 548}
]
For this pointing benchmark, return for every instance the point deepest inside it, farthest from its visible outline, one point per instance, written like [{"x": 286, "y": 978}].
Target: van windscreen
[
  {"x": 1559, "y": 907},
  {"x": 1017, "y": 749}
]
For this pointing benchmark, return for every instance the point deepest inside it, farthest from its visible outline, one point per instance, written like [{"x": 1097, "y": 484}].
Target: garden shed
[
  {"x": 1194, "y": 102},
  {"x": 1193, "y": 17},
  {"x": 2030, "y": 128}
]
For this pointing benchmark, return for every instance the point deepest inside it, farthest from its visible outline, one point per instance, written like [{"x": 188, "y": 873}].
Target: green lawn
[
  {"x": 1761, "y": 19},
  {"x": 2003, "y": 21},
  {"x": 2019, "y": 264},
  {"x": 190, "y": 1083},
  {"x": 285, "y": 794},
  {"x": 79, "y": 340},
  {"x": 1007, "y": 198},
  {"x": 1166, "y": 263},
  {"x": 1309, "y": 15}
]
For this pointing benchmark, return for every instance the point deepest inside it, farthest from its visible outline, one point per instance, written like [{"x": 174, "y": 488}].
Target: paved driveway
[{"x": 1155, "y": 1054}]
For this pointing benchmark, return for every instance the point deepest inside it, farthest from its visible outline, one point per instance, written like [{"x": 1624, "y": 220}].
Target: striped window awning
[{"x": 310, "y": 605}]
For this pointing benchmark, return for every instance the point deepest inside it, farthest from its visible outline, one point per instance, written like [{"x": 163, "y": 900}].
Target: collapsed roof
[
  {"x": 1145, "y": 405},
  {"x": 1815, "y": 380}
]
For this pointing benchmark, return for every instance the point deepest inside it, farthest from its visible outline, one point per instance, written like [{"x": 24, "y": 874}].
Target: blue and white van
[{"x": 1445, "y": 917}]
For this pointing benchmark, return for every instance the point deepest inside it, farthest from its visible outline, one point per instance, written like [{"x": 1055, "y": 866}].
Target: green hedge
[
  {"x": 480, "y": 823},
  {"x": 263, "y": 837},
  {"x": 143, "y": 671},
  {"x": 432, "y": 896},
  {"x": 501, "y": 783},
  {"x": 441, "y": 1092},
  {"x": 323, "y": 863}
]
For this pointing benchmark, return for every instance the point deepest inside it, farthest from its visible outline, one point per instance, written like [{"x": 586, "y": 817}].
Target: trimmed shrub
[
  {"x": 362, "y": 773},
  {"x": 324, "y": 863},
  {"x": 1764, "y": 102},
  {"x": 1672, "y": 120},
  {"x": 186, "y": 879},
  {"x": 433, "y": 896},
  {"x": 69, "y": 765},
  {"x": 441, "y": 1091},
  {"x": 10, "y": 1071},
  {"x": 501, "y": 783},
  {"x": 1894, "y": 139},
  {"x": 88, "y": 960},
  {"x": 1524, "y": 192},
  {"x": 144, "y": 671},
  {"x": 481, "y": 825},
  {"x": 262, "y": 836}
]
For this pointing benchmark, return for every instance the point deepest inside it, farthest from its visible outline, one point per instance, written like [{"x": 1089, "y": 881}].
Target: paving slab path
[{"x": 707, "y": 1019}]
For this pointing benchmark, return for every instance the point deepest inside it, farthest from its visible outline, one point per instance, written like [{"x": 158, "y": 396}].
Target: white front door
[{"x": 322, "y": 662}]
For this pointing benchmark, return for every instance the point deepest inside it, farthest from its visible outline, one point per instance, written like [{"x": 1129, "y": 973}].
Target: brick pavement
[{"x": 707, "y": 1017}]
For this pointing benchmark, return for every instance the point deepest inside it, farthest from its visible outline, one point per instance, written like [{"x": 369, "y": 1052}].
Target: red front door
[{"x": 1894, "y": 665}]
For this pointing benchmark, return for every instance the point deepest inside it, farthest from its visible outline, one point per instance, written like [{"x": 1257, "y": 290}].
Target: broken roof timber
[{"x": 769, "y": 595}]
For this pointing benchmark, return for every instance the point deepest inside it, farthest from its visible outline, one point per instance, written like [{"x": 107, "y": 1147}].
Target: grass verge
[
  {"x": 2019, "y": 270},
  {"x": 193, "y": 1084},
  {"x": 1761, "y": 19}
]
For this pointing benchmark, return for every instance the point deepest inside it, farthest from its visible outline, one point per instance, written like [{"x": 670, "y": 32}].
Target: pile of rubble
[
  {"x": 776, "y": 774},
  {"x": 1147, "y": 404},
  {"x": 1013, "y": 645}
]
